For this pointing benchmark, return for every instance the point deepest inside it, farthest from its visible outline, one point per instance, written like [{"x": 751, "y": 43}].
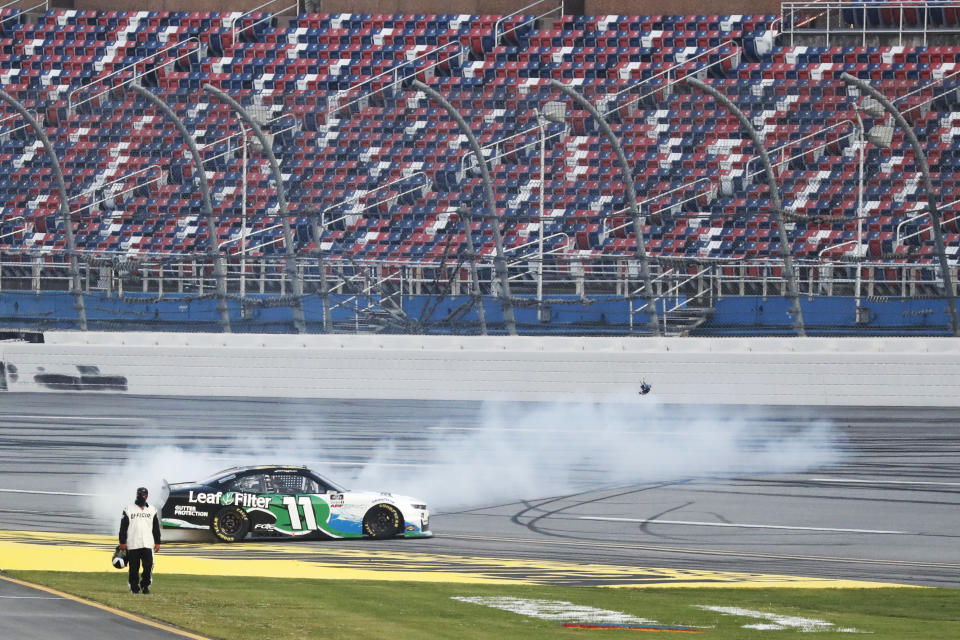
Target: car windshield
[{"x": 331, "y": 486}]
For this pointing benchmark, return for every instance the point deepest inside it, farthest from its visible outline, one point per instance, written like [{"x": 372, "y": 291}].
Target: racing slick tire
[
  {"x": 382, "y": 521},
  {"x": 230, "y": 524}
]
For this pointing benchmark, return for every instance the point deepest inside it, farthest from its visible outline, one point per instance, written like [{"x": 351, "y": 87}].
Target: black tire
[
  {"x": 230, "y": 524},
  {"x": 382, "y": 521}
]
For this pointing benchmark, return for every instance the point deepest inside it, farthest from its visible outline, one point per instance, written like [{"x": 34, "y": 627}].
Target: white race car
[{"x": 281, "y": 501}]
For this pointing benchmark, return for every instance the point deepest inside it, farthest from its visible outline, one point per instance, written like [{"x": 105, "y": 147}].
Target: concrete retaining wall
[{"x": 812, "y": 371}]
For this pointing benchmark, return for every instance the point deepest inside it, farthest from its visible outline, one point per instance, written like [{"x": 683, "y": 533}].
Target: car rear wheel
[
  {"x": 382, "y": 521},
  {"x": 230, "y": 524}
]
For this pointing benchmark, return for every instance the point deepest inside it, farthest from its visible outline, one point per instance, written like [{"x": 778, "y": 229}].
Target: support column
[
  {"x": 75, "y": 288},
  {"x": 500, "y": 261},
  {"x": 218, "y": 267},
  {"x": 641, "y": 253},
  {"x": 290, "y": 266},
  {"x": 789, "y": 274}
]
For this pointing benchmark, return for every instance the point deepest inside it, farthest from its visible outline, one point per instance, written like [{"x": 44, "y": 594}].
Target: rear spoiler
[{"x": 164, "y": 493}]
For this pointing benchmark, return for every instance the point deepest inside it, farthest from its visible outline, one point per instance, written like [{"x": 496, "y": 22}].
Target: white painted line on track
[
  {"x": 891, "y": 482},
  {"x": 42, "y": 416},
  {"x": 54, "y": 493},
  {"x": 739, "y": 526}
]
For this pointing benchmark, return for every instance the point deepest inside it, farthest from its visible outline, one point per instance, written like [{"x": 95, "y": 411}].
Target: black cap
[{"x": 142, "y": 492}]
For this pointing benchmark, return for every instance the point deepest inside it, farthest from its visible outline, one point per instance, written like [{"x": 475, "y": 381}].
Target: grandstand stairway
[{"x": 685, "y": 320}]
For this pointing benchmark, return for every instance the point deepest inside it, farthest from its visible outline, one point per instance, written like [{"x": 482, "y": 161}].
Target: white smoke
[
  {"x": 512, "y": 452},
  {"x": 565, "y": 448}
]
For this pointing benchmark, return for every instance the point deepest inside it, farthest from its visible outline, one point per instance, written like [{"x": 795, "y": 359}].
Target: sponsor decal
[
  {"x": 189, "y": 510},
  {"x": 336, "y": 500},
  {"x": 268, "y": 527},
  {"x": 777, "y": 622},
  {"x": 246, "y": 500}
]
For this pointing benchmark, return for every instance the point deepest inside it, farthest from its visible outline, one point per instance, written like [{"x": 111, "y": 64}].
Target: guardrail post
[
  {"x": 290, "y": 266},
  {"x": 213, "y": 240},
  {"x": 75, "y": 288}
]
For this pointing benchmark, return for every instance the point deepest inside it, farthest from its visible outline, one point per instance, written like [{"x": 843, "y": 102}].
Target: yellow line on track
[
  {"x": 35, "y": 550},
  {"x": 97, "y": 605}
]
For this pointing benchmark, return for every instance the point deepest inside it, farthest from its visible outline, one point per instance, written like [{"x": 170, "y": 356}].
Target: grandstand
[{"x": 380, "y": 181}]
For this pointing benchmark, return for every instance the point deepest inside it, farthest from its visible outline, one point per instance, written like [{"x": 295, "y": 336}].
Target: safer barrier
[{"x": 776, "y": 371}]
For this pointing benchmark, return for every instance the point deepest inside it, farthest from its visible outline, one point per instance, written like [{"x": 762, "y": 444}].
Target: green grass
[{"x": 277, "y": 609}]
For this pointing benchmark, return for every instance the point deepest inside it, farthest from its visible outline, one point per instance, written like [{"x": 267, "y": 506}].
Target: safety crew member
[{"x": 140, "y": 537}]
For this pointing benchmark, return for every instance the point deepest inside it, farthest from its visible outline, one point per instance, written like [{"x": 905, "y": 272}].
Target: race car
[{"x": 280, "y": 501}]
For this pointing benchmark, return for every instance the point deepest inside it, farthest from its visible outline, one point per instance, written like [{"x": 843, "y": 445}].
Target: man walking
[{"x": 139, "y": 531}]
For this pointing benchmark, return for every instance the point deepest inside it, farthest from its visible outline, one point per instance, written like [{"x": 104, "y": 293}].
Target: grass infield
[{"x": 232, "y": 608}]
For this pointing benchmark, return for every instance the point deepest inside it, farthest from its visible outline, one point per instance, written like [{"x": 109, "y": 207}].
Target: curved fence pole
[
  {"x": 927, "y": 187},
  {"x": 218, "y": 270},
  {"x": 793, "y": 291},
  {"x": 574, "y": 95},
  {"x": 75, "y": 288},
  {"x": 500, "y": 261},
  {"x": 293, "y": 276}
]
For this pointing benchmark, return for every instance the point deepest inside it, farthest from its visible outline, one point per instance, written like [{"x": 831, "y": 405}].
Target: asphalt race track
[{"x": 884, "y": 508}]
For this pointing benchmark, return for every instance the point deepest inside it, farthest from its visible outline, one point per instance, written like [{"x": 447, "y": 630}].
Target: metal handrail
[
  {"x": 121, "y": 178},
  {"x": 250, "y": 235},
  {"x": 668, "y": 70},
  {"x": 689, "y": 299},
  {"x": 242, "y": 133},
  {"x": 45, "y": 5},
  {"x": 536, "y": 254},
  {"x": 496, "y": 25},
  {"x": 118, "y": 193},
  {"x": 233, "y": 22},
  {"x": 921, "y": 213},
  {"x": 14, "y": 221},
  {"x": 13, "y": 116},
  {"x": 356, "y": 197},
  {"x": 365, "y": 290},
  {"x": 657, "y": 197},
  {"x": 70, "y": 104},
  {"x": 334, "y": 102},
  {"x": 790, "y": 143},
  {"x": 494, "y": 144}
]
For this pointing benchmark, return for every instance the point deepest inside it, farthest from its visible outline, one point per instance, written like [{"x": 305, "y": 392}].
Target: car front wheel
[{"x": 382, "y": 521}]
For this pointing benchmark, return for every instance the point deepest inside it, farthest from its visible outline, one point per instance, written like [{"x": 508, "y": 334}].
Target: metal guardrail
[
  {"x": 49, "y": 271},
  {"x": 890, "y": 18}
]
